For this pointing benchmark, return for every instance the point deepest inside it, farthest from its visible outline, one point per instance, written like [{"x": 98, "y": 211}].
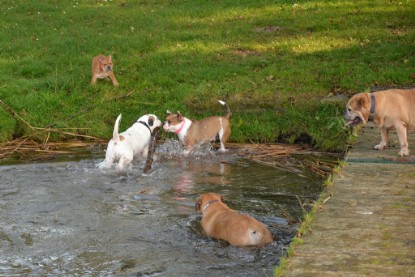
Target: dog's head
[
  {"x": 106, "y": 63},
  {"x": 358, "y": 109},
  {"x": 173, "y": 122},
  {"x": 151, "y": 120},
  {"x": 205, "y": 199}
]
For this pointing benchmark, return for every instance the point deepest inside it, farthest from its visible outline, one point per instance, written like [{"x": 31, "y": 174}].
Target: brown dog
[
  {"x": 221, "y": 222},
  {"x": 193, "y": 132},
  {"x": 389, "y": 109},
  {"x": 102, "y": 67}
]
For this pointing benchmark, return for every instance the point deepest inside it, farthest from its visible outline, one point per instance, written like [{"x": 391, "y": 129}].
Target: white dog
[{"x": 132, "y": 143}]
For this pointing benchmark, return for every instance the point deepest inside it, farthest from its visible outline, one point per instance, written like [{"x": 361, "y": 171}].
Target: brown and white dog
[
  {"x": 221, "y": 222},
  {"x": 192, "y": 133},
  {"x": 102, "y": 67},
  {"x": 389, "y": 109},
  {"x": 132, "y": 143}
]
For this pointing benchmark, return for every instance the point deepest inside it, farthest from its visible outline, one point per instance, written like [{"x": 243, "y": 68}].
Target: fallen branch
[{"x": 151, "y": 149}]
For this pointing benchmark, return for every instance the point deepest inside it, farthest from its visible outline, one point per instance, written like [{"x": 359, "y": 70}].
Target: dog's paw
[
  {"x": 103, "y": 165},
  {"x": 380, "y": 146},
  {"x": 403, "y": 153}
]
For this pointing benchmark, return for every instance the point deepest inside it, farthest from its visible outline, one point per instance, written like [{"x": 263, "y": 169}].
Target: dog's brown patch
[
  {"x": 174, "y": 119},
  {"x": 150, "y": 120}
]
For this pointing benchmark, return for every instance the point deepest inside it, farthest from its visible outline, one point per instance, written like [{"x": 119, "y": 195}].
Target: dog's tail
[
  {"x": 228, "y": 109},
  {"x": 115, "y": 136}
]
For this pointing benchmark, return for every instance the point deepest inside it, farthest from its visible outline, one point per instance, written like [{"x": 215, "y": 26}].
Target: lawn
[{"x": 279, "y": 64}]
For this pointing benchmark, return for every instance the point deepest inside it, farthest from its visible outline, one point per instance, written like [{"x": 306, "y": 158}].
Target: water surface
[{"x": 71, "y": 218}]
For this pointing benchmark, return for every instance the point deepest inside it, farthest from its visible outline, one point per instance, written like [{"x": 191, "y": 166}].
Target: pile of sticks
[
  {"x": 29, "y": 144},
  {"x": 25, "y": 147},
  {"x": 281, "y": 156}
]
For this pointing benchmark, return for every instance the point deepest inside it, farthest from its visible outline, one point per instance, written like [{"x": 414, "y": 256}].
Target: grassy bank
[{"x": 272, "y": 61}]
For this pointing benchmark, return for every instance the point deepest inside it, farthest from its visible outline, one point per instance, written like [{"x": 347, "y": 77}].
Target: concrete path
[{"x": 367, "y": 228}]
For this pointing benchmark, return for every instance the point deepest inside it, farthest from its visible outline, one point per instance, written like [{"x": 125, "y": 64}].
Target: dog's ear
[
  {"x": 179, "y": 116},
  {"x": 150, "y": 121},
  {"x": 110, "y": 57},
  {"x": 363, "y": 106},
  {"x": 198, "y": 205},
  {"x": 361, "y": 101}
]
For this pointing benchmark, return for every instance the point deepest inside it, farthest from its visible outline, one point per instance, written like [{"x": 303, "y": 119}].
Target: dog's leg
[
  {"x": 187, "y": 149},
  {"x": 384, "y": 132},
  {"x": 104, "y": 164},
  {"x": 403, "y": 140},
  {"x": 94, "y": 79},
  {"x": 144, "y": 152},
  {"x": 223, "y": 138},
  {"x": 122, "y": 163},
  {"x": 109, "y": 157},
  {"x": 125, "y": 160},
  {"x": 114, "y": 81}
]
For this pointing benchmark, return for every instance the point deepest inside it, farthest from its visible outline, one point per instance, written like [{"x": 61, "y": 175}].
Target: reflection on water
[{"x": 71, "y": 218}]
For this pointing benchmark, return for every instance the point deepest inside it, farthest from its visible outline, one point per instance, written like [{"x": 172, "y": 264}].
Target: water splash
[{"x": 174, "y": 148}]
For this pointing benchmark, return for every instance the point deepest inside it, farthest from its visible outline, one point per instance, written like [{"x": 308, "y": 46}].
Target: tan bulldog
[{"x": 389, "y": 109}]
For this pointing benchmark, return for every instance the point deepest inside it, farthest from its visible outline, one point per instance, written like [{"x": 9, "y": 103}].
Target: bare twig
[
  {"x": 327, "y": 199},
  {"x": 301, "y": 204}
]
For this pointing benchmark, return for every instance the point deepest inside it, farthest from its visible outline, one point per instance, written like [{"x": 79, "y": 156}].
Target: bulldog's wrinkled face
[
  {"x": 151, "y": 120},
  {"x": 173, "y": 122},
  {"x": 106, "y": 63},
  {"x": 204, "y": 199},
  {"x": 357, "y": 110}
]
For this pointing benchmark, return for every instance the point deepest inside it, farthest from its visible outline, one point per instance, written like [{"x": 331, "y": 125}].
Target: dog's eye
[{"x": 348, "y": 109}]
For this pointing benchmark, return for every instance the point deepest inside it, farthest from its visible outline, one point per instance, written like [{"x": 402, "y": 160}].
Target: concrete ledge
[{"x": 367, "y": 228}]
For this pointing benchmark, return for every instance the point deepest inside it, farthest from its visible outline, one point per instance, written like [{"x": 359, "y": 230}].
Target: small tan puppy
[
  {"x": 192, "y": 132},
  {"x": 221, "y": 222},
  {"x": 102, "y": 67},
  {"x": 389, "y": 109}
]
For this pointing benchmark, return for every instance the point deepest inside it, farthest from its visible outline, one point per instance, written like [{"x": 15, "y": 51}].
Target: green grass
[{"x": 272, "y": 61}]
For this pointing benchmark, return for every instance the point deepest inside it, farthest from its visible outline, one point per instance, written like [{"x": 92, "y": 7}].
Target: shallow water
[{"x": 71, "y": 218}]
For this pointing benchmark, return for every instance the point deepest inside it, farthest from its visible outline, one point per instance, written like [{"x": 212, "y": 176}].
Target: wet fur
[
  {"x": 131, "y": 144},
  {"x": 394, "y": 109},
  {"x": 221, "y": 222}
]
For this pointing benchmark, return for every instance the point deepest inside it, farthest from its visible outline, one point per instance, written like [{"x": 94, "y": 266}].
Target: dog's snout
[
  {"x": 347, "y": 113},
  {"x": 166, "y": 126}
]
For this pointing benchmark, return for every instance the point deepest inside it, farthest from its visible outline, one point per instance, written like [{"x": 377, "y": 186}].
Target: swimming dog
[{"x": 221, "y": 222}]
